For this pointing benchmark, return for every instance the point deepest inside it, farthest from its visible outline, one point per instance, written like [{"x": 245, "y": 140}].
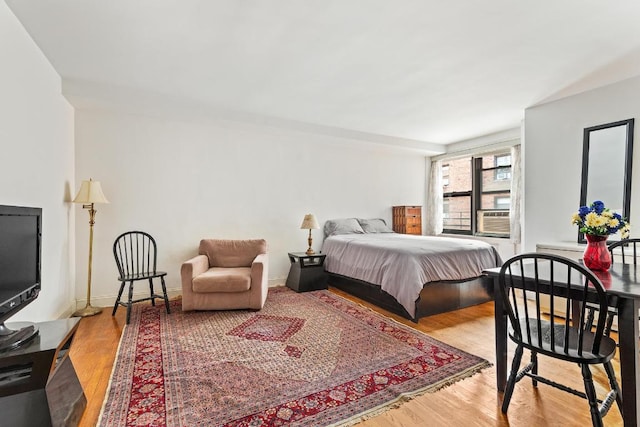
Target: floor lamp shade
[{"x": 90, "y": 193}]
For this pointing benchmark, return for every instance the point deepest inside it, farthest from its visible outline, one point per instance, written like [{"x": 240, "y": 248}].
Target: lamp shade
[
  {"x": 309, "y": 222},
  {"x": 90, "y": 192}
]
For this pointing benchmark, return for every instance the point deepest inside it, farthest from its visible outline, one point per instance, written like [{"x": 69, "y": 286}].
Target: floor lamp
[{"x": 90, "y": 192}]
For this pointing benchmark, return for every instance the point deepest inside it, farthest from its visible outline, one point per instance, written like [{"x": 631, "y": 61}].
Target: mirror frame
[{"x": 628, "y": 162}]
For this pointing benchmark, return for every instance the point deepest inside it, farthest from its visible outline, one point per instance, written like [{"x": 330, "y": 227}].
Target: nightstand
[{"x": 306, "y": 272}]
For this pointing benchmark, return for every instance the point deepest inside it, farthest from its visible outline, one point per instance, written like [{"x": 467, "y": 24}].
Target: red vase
[
  {"x": 605, "y": 278},
  {"x": 596, "y": 254}
]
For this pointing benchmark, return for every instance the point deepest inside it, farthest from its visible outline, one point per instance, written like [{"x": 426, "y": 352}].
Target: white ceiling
[{"x": 430, "y": 71}]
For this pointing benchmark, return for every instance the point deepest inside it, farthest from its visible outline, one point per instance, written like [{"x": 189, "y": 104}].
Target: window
[
  {"x": 502, "y": 203},
  {"x": 503, "y": 167},
  {"x": 445, "y": 175},
  {"x": 457, "y": 196},
  {"x": 477, "y": 195}
]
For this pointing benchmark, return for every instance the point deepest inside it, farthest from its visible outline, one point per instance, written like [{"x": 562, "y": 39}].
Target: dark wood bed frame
[{"x": 435, "y": 297}]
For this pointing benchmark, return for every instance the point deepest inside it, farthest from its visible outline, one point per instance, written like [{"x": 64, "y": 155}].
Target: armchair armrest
[
  {"x": 260, "y": 279},
  {"x": 193, "y": 267},
  {"x": 260, "y": 268}
]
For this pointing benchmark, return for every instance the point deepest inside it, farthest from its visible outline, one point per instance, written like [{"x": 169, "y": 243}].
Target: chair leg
[
  {"x": 590, "y": 390},
  {"x": 613, "y": 382},
  {"x": 153, "y": 300},
  {"x": 534, "y": 367},
  {"x": 115, "y": 306},
  {"x": 588, "y": 323},
  {"x": 609, "y": 323},
  {"x": 515, "y": 366},
  {"x": 130, "y": 302},
  {"x": 164, "y": 292}
]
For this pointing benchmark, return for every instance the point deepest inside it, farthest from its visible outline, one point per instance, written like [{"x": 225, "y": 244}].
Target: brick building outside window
[{"x": 476, "y": 195}]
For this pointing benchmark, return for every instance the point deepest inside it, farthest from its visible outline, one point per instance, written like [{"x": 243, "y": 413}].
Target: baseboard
[
  {"x": 277, "y": 282},
  {"x": 109, "y": 300},
  {"x": 67, "y": 312}
]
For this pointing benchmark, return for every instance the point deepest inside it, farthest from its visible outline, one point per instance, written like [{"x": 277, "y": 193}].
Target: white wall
[
  {"x": 36, "y": 166},
  {"x": 184, "y": 180},
  {"x": 553, "y": 158}
]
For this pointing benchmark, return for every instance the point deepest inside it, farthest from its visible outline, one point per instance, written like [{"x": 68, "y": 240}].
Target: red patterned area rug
[{"x": 309, "y": 359}]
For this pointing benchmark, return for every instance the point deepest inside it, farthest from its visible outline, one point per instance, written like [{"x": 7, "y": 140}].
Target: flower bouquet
[{"x": 597, "y": 222}]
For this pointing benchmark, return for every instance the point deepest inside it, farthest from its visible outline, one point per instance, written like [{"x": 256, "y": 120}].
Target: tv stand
[
  {"x": 17, "y": 335},
  {"x": 38, "y": 384}
]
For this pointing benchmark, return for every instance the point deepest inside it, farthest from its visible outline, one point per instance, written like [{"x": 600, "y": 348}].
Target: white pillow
[
  {"x": 376, "y": 225},
  {"x": 342, "y": 226}
]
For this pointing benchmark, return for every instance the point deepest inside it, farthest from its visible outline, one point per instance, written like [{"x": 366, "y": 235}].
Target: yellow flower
[
  {"x": 592, "y": 219},
  {"x": 613, "y": 223},
  {"x": 607, "y": 214},
  {"x": 575, "y": 219}
]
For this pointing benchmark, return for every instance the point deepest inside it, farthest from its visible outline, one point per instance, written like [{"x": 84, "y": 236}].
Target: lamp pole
[
  {"x": 310, "y": 251},
  {"x": 89, "y": 310},
  {"x": 90, "y": 192}
]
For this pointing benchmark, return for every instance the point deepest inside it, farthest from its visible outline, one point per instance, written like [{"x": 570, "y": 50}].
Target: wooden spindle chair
[
  {"x": 136, "y": 256},
  {"x": 565, "y": 338}
]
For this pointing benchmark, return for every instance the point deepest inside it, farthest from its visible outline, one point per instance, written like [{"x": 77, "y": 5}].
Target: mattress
[{"x": 403, "y": 264}]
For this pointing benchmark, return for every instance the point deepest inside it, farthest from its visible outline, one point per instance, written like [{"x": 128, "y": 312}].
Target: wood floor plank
[{"x": 471, "y": 402}]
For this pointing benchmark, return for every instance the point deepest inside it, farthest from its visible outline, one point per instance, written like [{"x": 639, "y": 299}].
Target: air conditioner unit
[{"x": 494, "y": 222}]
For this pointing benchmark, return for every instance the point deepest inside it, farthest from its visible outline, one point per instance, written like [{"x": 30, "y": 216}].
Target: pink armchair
[{"x": 226, "y": 275}]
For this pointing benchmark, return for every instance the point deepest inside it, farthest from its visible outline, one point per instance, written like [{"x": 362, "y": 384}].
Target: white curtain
[
  {"x": 433, "y": 221},
  {"x": 515, "y": 212}
]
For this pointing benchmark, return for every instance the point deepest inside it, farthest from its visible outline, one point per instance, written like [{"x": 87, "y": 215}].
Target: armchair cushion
[
  {"x": 232, "y": 253},
  {"x": 221, "y": 279}
]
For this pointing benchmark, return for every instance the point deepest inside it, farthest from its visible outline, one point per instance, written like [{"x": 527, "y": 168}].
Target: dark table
[
  {"x": 306, "y": 272},
  {"x": 39, "y": 385},
  {"x": 623, "y": 281}
]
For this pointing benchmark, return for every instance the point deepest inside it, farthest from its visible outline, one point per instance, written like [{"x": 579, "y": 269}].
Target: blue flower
[
  {"x": 584, "y": 210},
  {"x": 597, "y": 206}
]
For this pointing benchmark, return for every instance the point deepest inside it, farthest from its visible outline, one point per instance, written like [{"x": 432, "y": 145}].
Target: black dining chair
[
  {"x": 565, "y": 338},
  {"x": 136, "y": 256},
  {"x": 625, "y": 251}
]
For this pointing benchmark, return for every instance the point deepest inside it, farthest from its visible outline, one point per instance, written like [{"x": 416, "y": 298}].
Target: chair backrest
[
  {"x": 524, "y": 278},
  {"x": 627, "y": 249},
  {"x": 135, "y": 253},
  {"x": 232, "y": 253}
]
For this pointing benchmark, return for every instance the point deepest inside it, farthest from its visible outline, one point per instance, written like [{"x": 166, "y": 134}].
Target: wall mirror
[{"x": 607, "y": 155}]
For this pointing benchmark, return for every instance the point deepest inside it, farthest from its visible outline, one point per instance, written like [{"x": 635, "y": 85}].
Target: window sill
[
  {"x": 484, "y": 238},
  {"x": 479, "y": 235}
]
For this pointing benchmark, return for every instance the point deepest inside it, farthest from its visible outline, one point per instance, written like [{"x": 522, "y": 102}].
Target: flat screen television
[{"x": 20, "y": 258}]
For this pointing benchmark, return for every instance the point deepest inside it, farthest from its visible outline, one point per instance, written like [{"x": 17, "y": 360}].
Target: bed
[{"x": 413, "y": 276}]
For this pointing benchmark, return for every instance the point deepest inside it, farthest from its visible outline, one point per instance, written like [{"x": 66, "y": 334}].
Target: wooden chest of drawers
[{"x": 407, "y": 219}]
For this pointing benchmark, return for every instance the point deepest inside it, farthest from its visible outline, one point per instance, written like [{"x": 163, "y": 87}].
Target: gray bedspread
[{"x": 401, "y": 264}]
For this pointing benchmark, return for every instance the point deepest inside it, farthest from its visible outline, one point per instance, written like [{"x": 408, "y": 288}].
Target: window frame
[
  {"x": 476, "y": 193},
  {"x": 454, "y": 194}
]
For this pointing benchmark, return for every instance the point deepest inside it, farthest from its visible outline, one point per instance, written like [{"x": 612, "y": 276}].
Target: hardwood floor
[
  {"x": 92, "y": 353},
  {"x": 471, "y": 402}
]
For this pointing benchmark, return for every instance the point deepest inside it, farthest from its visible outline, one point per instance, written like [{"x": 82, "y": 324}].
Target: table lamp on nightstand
[{"x": 309, "y": 223}]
